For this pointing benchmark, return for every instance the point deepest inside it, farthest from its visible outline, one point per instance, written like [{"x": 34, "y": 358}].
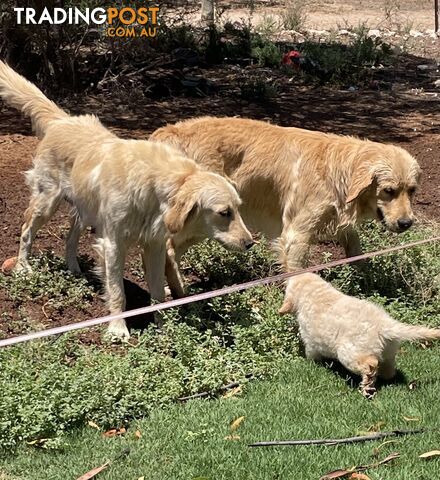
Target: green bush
[
  {"x": 50, "y": 387},
  {"x": 335, "y": 62},
  {"x": 218, "y": 266},
  {"x": 50, "y": 280}
]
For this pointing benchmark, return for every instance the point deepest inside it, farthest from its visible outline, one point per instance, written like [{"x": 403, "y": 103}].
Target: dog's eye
[
  {"x": 411, "y": 190},
  {"x": 225, "y": 213},
  {"x": 389, "y": 190}
]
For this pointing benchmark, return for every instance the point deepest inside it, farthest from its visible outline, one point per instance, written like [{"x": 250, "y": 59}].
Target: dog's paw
[
  {"x": 167, "y": 292},
  {"x": 74, "y": 268},
  {"x": 368, "y": 392},
  {"x": 22, "y": 267},
  {"x": 117, "y": 332}
]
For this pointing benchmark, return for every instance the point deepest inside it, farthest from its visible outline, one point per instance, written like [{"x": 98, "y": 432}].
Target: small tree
[{"x": 208, "y": 13}]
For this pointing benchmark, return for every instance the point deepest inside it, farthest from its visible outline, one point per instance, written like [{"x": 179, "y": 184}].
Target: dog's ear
[
  {"x": 287, "y": 307},
  {"x": 178, "y": 214},
  {"x": 362, "y": 178},
  {"x": 232, "y": 182}
]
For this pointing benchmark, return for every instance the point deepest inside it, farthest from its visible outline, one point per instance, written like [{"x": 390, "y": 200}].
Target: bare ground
[{"x": 402, "y": 113}]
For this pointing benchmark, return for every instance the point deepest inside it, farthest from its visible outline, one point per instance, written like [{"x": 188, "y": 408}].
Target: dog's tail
[
  {"x": 401, "y": 332},
  {"x": 21, "y": 94}
]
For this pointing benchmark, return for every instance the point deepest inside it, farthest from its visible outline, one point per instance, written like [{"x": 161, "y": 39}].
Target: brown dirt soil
[{"x": 395, "y": 115}]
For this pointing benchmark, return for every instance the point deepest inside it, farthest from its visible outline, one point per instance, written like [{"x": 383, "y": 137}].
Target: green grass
[
  {"x": 52, "y": 389},
  {"x": 303, "y": 400}
]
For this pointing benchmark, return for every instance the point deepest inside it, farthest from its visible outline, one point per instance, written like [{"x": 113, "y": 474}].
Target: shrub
[
  {"x": 334, "y": 62},
  {"x": 294, "y": 16},
  {"x": 258, "y": 89},
  {"x": 49, "y": 280}
]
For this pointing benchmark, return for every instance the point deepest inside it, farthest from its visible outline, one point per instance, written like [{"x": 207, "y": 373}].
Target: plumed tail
[
  {"x": 401, "y": 332},
  {"x": 21, "y": 94}
]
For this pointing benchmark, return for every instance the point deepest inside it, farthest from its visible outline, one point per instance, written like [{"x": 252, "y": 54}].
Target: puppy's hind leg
[
  {"x": 41, "y": 208},
  {"x": 365, "y": 365},
  {"x": 387, "y": 367},
  {"x": 368, "y": 368}
]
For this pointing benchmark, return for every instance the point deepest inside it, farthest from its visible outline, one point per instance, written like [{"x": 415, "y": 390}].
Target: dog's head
[
  {"x": 207, "y": 206},
  {"x": 383, "y": 183}
]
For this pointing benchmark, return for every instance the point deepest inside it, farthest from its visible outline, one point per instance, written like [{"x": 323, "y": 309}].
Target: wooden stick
[
  {"x": 214, "y": 392},
  {"x": 337, "y": 441}
]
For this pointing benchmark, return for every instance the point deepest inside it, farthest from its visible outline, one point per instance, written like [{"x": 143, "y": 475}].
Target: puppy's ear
[
  {"x": 287, "y": 307},
  {"x": 362, "y": 178},
  {"x": 178, "y": 214}
]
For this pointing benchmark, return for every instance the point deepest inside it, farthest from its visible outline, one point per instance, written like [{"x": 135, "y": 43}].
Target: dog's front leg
[
  {"x": 172, "y": 273},
  {"x": 153, "y": 257},
  {"x": 175, "y": 250},
  {"x": 75, "y": 231},
  {"x": 294, "y": 249},
  {"x": 349, "y": 240},
  {"x": 113, "y": 258}
]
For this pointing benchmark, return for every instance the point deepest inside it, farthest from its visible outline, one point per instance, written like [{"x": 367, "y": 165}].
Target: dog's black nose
[
  {"x": 404, "y": 223},
  {"x": 248, "y": 245}
]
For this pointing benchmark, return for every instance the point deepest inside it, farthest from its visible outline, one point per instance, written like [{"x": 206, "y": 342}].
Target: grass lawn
[
  {"x": 303, "y": 400},
  {"x": 60, "y": 395}
]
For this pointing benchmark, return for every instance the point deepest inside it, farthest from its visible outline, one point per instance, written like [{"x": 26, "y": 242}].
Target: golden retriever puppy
[
  {"x": 133, "y": 192},
  {"x": 357, "y": 333},
  {"x": 298, "y": 185}
]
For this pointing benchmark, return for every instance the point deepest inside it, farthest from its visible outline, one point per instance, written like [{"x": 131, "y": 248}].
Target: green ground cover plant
[{"x": 51, "y": 389}]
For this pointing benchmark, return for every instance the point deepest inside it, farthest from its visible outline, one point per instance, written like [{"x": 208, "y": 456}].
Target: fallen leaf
[
  {"x": 411, "y": 419},
  {"x": 232, "y": 437},
  {"x": 232, "y": 392},
  {"x": 236, "y": 423},
  {"x": 336, "y": 474},
  {"x": 432, "y": 453},
  {"x": 376, "y": 450},
  {"x": 94, "y": 472},
  {"x": 376, "y": 427},
  {"x": 114, "y": 432},
  {"x": 359, "y": 476},
  {"x": 137, "y": 434},
  {"x": 390, "y": 457},
  {"x": 93, "y": 424}
]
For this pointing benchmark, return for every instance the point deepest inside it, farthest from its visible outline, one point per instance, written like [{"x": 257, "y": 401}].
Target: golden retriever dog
[
  {"x": 357, "y": 333},
  {"x": 298, "y": 185},
  {"x": 133, "y": 192}
]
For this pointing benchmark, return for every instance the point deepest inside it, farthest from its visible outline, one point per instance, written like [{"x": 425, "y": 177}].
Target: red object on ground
[
  {"x": 291, "y": 58},
  {"x": 9, "y": 264}
]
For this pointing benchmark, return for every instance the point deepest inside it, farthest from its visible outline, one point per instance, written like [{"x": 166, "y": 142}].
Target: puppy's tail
[
  {"x": 17, "y": 92},
  {"x": 401, "y": 332}
]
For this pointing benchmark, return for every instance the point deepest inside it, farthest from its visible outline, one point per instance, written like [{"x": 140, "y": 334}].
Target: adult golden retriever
[
  {"x": 297, "y": 185},
  {"x": 133, "y": 192}
]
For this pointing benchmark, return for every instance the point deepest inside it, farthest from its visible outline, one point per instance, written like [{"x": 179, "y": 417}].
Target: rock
[{"x": 415, "y": 33}]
